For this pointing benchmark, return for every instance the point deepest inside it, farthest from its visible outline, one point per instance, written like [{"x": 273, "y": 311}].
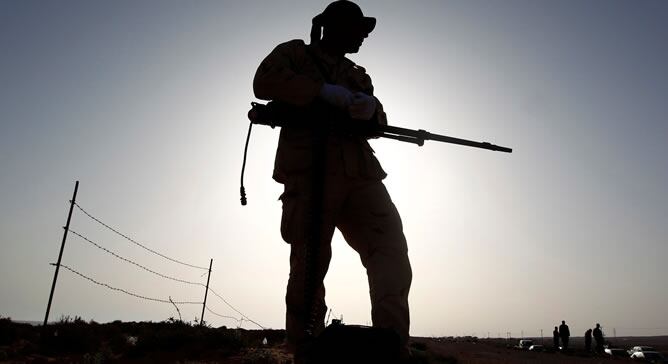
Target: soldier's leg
[
  {"x": 294, "y": 229},
  {"x": 296, "y": 314},
  {"x": 370, "y": 223}
]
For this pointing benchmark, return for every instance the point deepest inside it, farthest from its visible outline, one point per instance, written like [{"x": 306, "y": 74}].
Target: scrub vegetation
[{"x": 74, "y": 340}]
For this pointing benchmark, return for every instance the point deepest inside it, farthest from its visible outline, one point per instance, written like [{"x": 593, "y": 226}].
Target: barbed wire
[
  {"x": 132, "y": 262},
  {"x": 127, "y": 292},
  {"x": 243, "y": 316},
  {"x": 164, "y": 276},
  {"x": 235, "y": 310},
  {"x": 222, "y": 316},
  {"x": 134, "y": 241}
]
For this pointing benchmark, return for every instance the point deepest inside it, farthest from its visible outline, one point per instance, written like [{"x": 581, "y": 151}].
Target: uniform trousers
[{"x": 367, "y": 218}]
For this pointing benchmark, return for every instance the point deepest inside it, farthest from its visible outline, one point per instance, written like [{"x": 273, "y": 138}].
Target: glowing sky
[{"x": 145, "y": 103}]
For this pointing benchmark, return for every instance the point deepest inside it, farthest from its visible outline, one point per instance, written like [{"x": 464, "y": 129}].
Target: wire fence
[
  {"x": 240, "y": 319},
  {"x": 133, "y": 262},
  {"x": 135, "y": 242},
  {"x": 127, "y": 292}
]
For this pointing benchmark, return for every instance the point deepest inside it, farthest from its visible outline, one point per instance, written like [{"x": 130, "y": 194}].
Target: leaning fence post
[
  {"x": 60, "y": 255},
  {"x": 201, "y": 320}
]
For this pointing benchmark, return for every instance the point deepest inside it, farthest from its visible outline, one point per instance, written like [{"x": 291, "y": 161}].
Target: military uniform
[{"x": 355, "y": 200}]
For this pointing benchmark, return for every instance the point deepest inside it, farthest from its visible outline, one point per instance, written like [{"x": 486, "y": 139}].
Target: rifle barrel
[{"x": 421, "y": 135}]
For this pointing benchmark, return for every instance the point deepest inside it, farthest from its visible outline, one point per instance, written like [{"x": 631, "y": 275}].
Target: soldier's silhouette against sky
[
  {"x": 332, "y": 180},
  {"x": 145, "y": 103}
]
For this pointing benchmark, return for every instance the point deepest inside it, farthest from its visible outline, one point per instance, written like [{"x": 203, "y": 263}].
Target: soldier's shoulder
[
  {"x": 354, "y": 66},
  {"x": 359, "y": 75},
  {"x": 292, "y": 45}
]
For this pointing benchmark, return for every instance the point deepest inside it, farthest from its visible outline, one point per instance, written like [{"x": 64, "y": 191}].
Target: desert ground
[{"x": 77, "y": 341}]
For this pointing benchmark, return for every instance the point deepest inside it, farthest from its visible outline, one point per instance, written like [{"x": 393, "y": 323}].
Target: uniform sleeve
[
  {"x": 381, "y": 117},
  {"x": 278, "y": 77},
  {"x": 361, "y": 81}
]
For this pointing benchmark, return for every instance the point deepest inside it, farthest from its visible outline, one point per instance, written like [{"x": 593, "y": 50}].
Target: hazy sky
[{"x": 145, "y": 103}]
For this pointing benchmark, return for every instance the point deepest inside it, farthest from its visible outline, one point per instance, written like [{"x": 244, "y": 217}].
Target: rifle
[{"x": 276, "y": 114}]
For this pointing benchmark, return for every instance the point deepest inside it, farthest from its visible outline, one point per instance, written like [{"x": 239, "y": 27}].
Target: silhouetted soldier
[
  {"x": 564, "y": 334},
  {"x": 588, "y": 340},
  {"x": 555, "y": 338},
  {"x": 598, "y": 336},
  {"x": 355, "y": 200}
]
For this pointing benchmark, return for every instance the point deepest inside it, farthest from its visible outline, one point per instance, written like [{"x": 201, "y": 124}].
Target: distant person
[
  {"x": 588, "y": 340},
  {"x": 555, "y": 338},
  {"x": 564, "y": 334},
  {"x": 598, "y": 336}
]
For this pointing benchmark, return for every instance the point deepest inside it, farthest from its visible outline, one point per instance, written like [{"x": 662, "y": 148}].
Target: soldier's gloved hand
[
  {"x": 363, "y": 106},
  {"x": 336, "y": 95}
]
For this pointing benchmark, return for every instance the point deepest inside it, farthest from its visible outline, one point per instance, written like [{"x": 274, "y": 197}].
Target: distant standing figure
[
  {"x": 588, "y": 340},
  {"x": 598, "y": 336},
  {"x": 565, "y": 334},
  {"x": 555, "y": 338}
]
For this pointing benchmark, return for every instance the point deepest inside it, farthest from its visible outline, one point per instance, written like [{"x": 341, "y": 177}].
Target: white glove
[
  {"x": 336, "y": 95},
  {"x": 363, "y": 106}
]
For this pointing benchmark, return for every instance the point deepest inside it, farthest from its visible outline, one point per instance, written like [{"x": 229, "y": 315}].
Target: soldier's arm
[
  {"x": 381, "y": 117},
  {"x": 277, "y": 78},
  {"x": 363, "y": 82}
]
